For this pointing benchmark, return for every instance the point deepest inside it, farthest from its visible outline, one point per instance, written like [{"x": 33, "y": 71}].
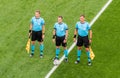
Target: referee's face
[
  {"x": 59, "y": 20},
  {"x": 82, "y": 18},
  {"x": 37, "y": 15}
]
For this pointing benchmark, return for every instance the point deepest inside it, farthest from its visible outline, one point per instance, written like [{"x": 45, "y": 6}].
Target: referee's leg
[
  {"x": 58, "y": 43},
  {"x": 33, "y": 39},
  {"x": 66, "y": 53},
  {"x": 79, "y": 47},
  {"x": 86, "y": 44},
  {"x": 64, "y": 44},
  {"x": 41, "y": 45}
]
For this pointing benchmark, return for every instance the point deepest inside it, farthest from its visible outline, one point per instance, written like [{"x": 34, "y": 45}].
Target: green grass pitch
[{"x": 15, "y": 17}]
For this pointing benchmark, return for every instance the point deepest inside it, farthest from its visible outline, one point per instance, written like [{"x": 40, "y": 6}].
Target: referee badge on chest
[
  {"x": 62, "y": 29},
  {"x": 38, "y": 23},
  {"x": 84, "y": 28}
]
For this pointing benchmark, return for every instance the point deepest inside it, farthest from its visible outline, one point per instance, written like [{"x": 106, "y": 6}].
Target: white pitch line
[
  {"x": 100, "y": 12},
  {"x": 73, "y": 45}
]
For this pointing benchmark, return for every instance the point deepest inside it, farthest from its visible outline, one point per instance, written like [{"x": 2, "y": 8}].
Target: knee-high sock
[
  {"x": 78, "y": 54},
  {"x": 57, "y": 52},
  {"x": 66, "y": 53},
  {"x": 41, "y": 48},
  {"x": 88, "y": 54},
  {"x": 32, "y": 48}
]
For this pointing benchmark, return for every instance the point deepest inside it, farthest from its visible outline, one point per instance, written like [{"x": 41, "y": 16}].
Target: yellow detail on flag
[
  {"x": 92, "y": 55},
  {"x": 28, "y": 46}
]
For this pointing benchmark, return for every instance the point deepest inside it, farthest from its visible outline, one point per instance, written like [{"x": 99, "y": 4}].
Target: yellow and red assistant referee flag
[
  {"x": 28, "y": 45},
  {"x": 92, "y": 55}
]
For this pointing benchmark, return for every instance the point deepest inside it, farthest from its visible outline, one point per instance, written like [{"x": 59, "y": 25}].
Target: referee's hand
[
  {"x": 90, "y": 41},
  {"x": 53, "y": 40},
  {"x": 29, "y": 35},
  {"x": 65, "y": 41},
  {"x": 43, "y": 36},
  {"x": 74, "y": 39}
]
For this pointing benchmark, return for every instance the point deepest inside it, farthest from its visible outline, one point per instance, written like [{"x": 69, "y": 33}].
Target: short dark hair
[
  {"x": 60, "y": 17},
  {"x": 82, "y": 15},
  {"x": 38, "y": 11}
]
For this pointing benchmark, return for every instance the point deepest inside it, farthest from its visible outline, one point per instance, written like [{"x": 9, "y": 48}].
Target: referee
[
  {"x": 83, "y": 28},
  {"x": 60, "y": 34},
  {"x": 37, "y": 31}
]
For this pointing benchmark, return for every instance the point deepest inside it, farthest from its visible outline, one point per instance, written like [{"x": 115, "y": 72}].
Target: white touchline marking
[
  {"x": 73, "y": 45},
  {"x": 100, "y": 12}
]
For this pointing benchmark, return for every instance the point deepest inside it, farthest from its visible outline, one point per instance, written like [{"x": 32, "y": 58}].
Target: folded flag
[
  {"x": 92, "y": 55},
  {"x": 28, "y": 46}
]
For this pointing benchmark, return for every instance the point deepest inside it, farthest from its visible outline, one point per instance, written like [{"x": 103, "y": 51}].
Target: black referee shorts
[
  {"x": 83, "y": 41},
  {"x": 60, "y": 40},
  {"x": 37, "y": 35}
]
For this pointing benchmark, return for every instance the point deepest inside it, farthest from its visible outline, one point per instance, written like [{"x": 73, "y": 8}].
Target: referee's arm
[
  {"x": 30, "y": 26},
  {"x": 90, "y": 31},
  {"x": 43, "y": 29},
  {"x": 30, "y": 30},
  {"x": 54, "y": 35},
  {"x": 76, "y": 31},
  {"x": 75, "y": 34},
  {"x": 54, "y": 32},
  {"x": 90, "y": 37},
  {"x": 66, "y": 35}
]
